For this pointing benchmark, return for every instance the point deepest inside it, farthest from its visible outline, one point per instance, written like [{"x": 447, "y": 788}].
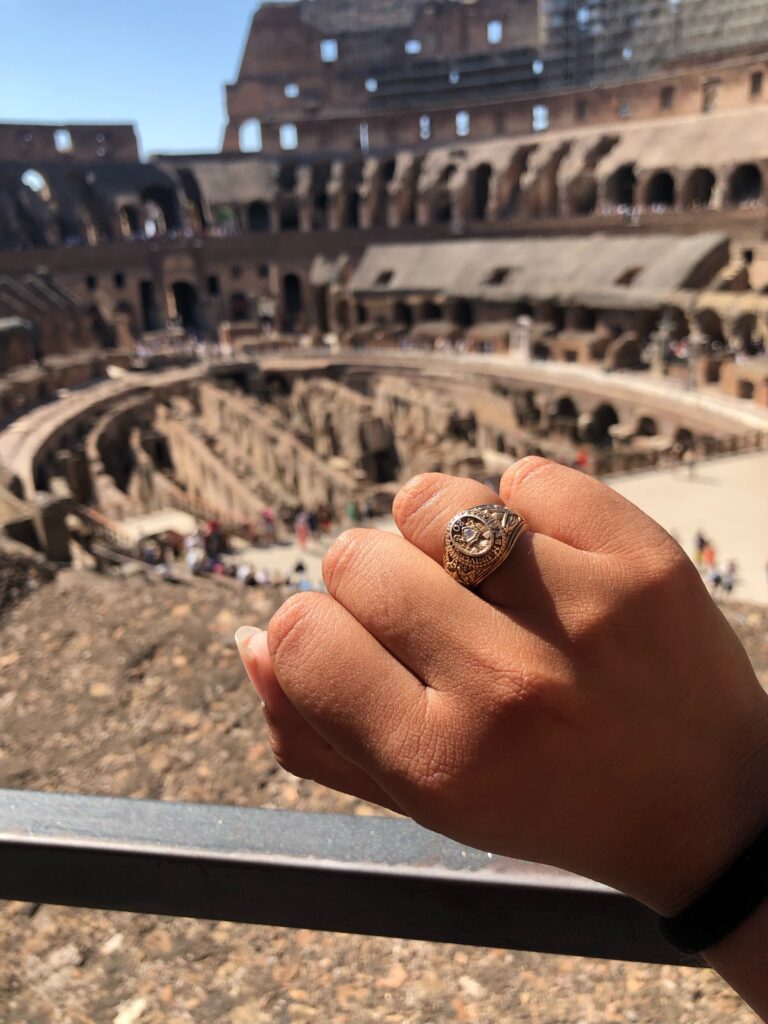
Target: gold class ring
[{"x": 479, "y": 541}]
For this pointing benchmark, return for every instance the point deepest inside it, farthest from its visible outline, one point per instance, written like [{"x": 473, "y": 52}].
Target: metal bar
[{"x": 372, "y": 876}]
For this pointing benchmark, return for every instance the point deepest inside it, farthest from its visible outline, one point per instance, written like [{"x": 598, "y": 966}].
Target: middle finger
[{"x": 432, "y": 626}]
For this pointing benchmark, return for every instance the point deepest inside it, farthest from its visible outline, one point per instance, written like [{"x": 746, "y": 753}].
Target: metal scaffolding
[{"x": 597, "y": 41}]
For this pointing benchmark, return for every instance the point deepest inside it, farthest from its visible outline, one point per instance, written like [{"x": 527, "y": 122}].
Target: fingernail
[
  {"x": 244, "y": 634},
  {"x": 243, "y": 638}
]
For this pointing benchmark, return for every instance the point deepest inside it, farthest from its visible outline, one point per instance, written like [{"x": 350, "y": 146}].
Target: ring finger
[{"x": 538, "y": 570}]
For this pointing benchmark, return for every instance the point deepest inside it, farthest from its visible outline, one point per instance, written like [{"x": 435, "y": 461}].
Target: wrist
[{"x": 724, "y": 817}]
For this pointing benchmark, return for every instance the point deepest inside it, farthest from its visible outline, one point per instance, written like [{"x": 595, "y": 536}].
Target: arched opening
[
  {"x": 289, "y": 215},
  {"x": 699, "y": 188},
  {"x": 685, "y": 439},
  {"x": 744, "y": 334},
  {"x": 541, "y": 352},
  {"x": 566, "y": 418},
  {"x": 163, "y": 200},
  {"x": 442, "y": 212},
  {"x": 583, "y": 196},
  {"x": 226, "y": 219},
  {"x": 239, "y": 307},
  {"x": 193, "y": 197},
  {"x": 258, "y": 216},
  {"x": 567, "y": 408},
  {"x": 250, "y": 136},
  {"x": 287, "y": 177},
  {"x": 403, "y": 314},
  {"x": 582, "y": 319},
  {"x": 603, "y": 418},
  {"x": 620, "y": 187},
  {"x": 292, "y": 302},
  {"x": 711, "y": 326},
  {"x": 463, "y": 313},
  {"x": 463, "y": 427},
  {"x": 431, "y": 311},
  {"x": 660, "y": 190},
  {"x": 36, "y": 183},
  {"x": 352, "y": 218},
  {"x": 482, "y": 183},
  {"x": 130, "y": 221},
  {"x": 185, "y": 300},
  {"x": 745, "y": 186},
  {"x": 647, "y": 427}
]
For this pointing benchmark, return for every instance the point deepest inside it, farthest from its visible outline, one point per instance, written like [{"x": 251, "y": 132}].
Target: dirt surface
[{"x": 133, "y": 688}]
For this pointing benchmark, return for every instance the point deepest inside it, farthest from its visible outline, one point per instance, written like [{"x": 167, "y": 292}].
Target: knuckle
[
  {"x": 412, "y": 498},
  {"x": 516, "y": 475},
  {"x": 293, "y": 625},
  {"x": 344, "y": 556}
]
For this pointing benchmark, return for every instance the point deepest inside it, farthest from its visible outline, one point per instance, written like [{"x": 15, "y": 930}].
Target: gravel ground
[{"x": 133, "y": 688}]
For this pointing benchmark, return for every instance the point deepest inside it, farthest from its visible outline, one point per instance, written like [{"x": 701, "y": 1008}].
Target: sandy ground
[
  {"x": 133, "y": 688},
  {"x": 727, "y": 499}
]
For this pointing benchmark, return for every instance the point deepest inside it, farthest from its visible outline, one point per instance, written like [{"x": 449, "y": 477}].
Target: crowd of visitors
[{"x": 720, "y": 576}]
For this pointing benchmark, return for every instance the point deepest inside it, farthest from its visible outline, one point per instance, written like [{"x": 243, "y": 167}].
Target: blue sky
[{"x": 160, "y": 63}]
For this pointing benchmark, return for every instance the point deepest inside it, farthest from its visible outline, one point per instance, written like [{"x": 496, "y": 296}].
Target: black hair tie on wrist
[{"x": 733, "y": 898}]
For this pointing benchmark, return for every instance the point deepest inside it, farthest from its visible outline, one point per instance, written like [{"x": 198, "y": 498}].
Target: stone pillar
[{"x": 52, "y": 532}]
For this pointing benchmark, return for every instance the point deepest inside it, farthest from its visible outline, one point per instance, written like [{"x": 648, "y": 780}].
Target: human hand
[{"x": 589, "y": 708}]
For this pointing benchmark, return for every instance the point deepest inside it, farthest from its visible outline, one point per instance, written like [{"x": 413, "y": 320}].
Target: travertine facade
[{"x": 565, "y": 183}]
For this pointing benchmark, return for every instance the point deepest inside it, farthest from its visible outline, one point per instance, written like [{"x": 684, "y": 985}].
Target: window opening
[
  {"x": 463, "y": 123},
  {"x": 250, "y": 136},
  {"x": 62, "y": 140},
  {"x": 329, "y": 51},
  {"x": 540, "y": 117},
  {"x": 289, "y": 136},
  {"x": 495, "y": 32}
]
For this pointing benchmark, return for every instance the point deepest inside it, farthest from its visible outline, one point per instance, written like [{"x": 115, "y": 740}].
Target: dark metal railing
[{"x": 360, "y": 875}]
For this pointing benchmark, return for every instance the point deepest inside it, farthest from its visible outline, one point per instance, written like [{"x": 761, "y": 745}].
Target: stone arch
[
  {"x": 37, "y": 183},
  {"x": 289, "y": 214},
  {"x": 567, "y": 407},
  {"x": 685, "y": 438},
  {"x": 620, "y": 186},
  {"x": 582, "y": 195},
  {"x": 463, "y": 313},
  {"x": 745, "y": 185},
  {"x": 698, "y": 188},
  {"x": 130, "y": 220},
  {"x": 403, "y": 314},
  {"x": 165, "y": 200},
  {"x": 710, "y": 324},
  {"x": 660, "y": 189},
  {"x": 647, "y": 427},
  {"x": 258, "y": 216},
  {"x": 481, "y": 187},
  {"x": 743, "y": 333},
  {"x": 193, "y": 197},
  {"x": 603, "y": 418},
  {"x": 187, "y": 305},
  {"x": 442, "y": 203},
  {"x": 293, "y": 302},
  {"x": 625, "y": 353},
  {"x": 566, "y": 417}
]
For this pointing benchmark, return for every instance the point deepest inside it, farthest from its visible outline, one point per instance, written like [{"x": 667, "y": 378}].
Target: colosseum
[{"x": 438, "y": 235}]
